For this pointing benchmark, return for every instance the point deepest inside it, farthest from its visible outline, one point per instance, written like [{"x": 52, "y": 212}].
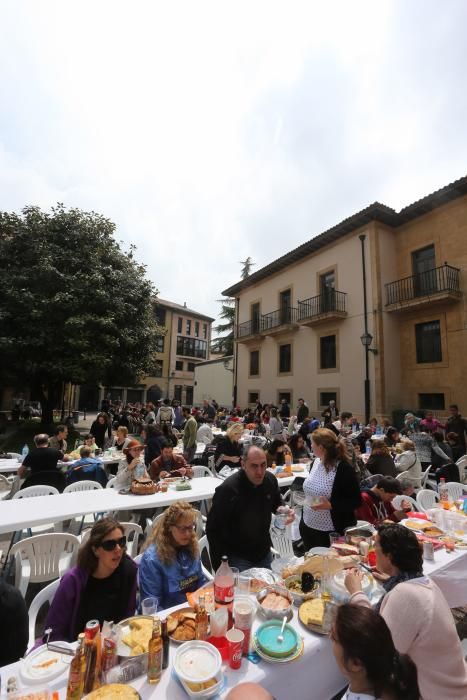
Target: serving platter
[{"x": 42, "y": 665}]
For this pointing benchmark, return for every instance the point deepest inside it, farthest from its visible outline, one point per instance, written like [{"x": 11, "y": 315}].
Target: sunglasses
[{"x": 110, "y": 545}]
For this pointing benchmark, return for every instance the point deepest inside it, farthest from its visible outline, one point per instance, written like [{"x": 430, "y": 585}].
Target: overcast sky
[{"x": 213, "y": 131}]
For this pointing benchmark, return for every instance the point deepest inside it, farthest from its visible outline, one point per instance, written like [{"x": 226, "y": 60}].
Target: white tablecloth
[
  {"x": 9, "y": 466},
  {"x": 28, "y": 512},
  {"x": 449, "y": 572}
]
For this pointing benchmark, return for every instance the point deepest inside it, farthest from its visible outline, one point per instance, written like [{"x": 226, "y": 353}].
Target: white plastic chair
[
  {"x": 46, "y": 595},
  {"x": 43, "y": 558},
  {"x": 397, "y": 502},
  {"x": 5, "y": 484},
  {"x": 132, "y": 531},
  {"x": 16, "y": 455},
  {"x": 203, "y": 545},
  {"x": 199, "y": 471},
  {"x": 85, "y": 485},
  {"x": 281, "y": 542},
  {"x": 426, "y": 499},
  {"x": 455, "y": 490},
  {"x": 38, "y": 490},
  {"x": 112, "y": 483}
]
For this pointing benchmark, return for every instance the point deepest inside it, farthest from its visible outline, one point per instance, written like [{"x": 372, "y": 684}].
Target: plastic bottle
[
  {"x": 443, "y": 491},
  {"x": 25, "y": 451},
  {"x": 224, "y": 583},
  {"x": 368, "y": 447}
]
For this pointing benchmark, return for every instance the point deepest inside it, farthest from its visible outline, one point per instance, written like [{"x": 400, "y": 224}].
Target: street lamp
[{"x": 367, "y": 339}]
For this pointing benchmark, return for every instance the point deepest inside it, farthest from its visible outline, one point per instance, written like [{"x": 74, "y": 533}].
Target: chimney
[{"x": 184, "y": 304}]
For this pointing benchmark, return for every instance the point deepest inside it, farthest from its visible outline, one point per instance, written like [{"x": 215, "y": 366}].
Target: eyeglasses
[
  {"x": 187, "y": 528},
  {"x": 110, "y": 545}
]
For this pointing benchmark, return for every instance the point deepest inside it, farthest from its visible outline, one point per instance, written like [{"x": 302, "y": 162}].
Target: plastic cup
[
  {"x": 149, "y": 605},
  {"x": 235, "y": 639},
  {"x": 242, "y": 586},
  {"x": 334, "y": 538},
  {"x": 243, "y": 614}
]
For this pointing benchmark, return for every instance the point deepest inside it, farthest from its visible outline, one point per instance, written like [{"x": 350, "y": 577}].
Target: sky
[{"x": 210, "y": 131}]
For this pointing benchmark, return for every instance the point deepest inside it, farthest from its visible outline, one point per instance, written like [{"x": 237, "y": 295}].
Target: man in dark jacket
[
  {"x": 15, "y": 624},
  {"x": 302, "y": 411},
  {"x": 239, "y": 520},
  {"x": 457, "y": 424}
]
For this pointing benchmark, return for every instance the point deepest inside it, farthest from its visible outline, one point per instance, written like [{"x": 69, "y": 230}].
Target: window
[
  {"x": 424, "y": 273},
  {"x": 179, "y": 365},
  {"x": 284, "y": 395},
  {"x": 285, "y": 358},
  {"x": 327, "y": 352},
  {"x": 285, "y": 305},
  {"x": 180, "y": 325},
  {"x": 160, "y": 344},
  {"x": 191, "y": 347},
  {"x": 159, "y": 368},
  {"x": 255, "y": 317},
  {"x": 205, "y": 330},
  {"x": 327, "y": 284},
  {"x": 160, "y": 316},
  {"x": 189, "y": 395},
  {"x": 191, "y": 367},
  {"x": 432, "y": 402},
  {"x": 178, "y": 392},
  {"x": 196, "y": 329},
  {"x": 188, "y": 327},
  {"x": 253, "y": 396},
  {"x": 326, "y": 396},
  {"x": 428, "y": 342},
  {"x": 254, "y": 362}
]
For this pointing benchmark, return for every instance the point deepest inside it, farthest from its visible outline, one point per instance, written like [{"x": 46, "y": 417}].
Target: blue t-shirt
[{"x": 169, "y": 582}]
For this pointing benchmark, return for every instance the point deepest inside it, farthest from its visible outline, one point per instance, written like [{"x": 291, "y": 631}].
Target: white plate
[
  {"x": 30, "y": 675},
  {"x": 319, "y": 550},
  {"x": 338, "y": 581}
]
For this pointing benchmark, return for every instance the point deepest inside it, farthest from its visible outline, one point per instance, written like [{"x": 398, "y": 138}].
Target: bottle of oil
[
  {"x": 155, "y": 653},
  {"x": 202, "y": 620},
  {"x": 75, "y": 686}
]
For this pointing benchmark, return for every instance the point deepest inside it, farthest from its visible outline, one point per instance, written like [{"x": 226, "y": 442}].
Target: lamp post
[{"x": 366, "y": 338}]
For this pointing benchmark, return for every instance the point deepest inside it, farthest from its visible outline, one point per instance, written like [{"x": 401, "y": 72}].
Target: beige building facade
[
  {"x": 300, "y": 320},
  {"x": 214, "y": 380}
]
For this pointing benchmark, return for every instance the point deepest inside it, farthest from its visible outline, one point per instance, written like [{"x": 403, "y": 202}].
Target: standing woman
[
  {"x": 99, "y": 428},
  {"x": 331, "y": 491}
]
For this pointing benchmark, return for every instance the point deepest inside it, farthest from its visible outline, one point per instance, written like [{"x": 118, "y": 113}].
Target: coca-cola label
[{"x": 223, "y": 594}]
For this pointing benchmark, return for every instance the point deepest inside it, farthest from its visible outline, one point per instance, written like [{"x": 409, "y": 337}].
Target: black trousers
[{"x": 313, "y": 538}]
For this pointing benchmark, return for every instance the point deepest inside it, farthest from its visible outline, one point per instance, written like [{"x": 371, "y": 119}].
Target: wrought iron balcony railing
[
  {"x": 329, "y": 301},
  {"x": 429, "y": 283},
  {"x": 280, "y": 317},
  {"x": 248, "y": 328}
]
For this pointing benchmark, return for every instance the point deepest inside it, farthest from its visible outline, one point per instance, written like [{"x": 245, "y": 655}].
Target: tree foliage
[
  {"x": 225, "y": 342},
  {"x": 73, "y": 306}
]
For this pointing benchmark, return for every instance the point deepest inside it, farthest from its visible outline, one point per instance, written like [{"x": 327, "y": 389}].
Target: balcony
[
  {"x": 441, "y": 284},
  {"x": 280, "y": 321},
  {"x": 249, "y": 331},
  {"x": 329, "y": 306}
]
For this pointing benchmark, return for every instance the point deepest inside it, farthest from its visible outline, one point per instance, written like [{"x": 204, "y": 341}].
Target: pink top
[{"x": 422, "y": 626}]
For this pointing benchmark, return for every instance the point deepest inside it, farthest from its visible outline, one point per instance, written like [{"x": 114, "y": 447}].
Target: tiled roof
[{"x": 182, "y": 309}]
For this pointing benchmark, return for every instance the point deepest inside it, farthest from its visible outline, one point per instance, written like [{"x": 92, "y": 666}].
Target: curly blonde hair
[
  {"x": 161, "y": 536},
  {"x": 234, "y": 429}
]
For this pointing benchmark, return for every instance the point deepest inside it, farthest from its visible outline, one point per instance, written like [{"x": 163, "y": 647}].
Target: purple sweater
[{"x": 63, "y": 612}]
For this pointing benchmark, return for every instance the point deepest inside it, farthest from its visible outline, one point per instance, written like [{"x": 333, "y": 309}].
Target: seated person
[
  {"x": 204, "y": 432},
  {"x": 101, "y": 586},
  {"x": 170, "y": 435},
  {"x": 365, "y": 653},
  {"x": 275, "y": 453},
  {"x": 131, "y": 466},
  {"x": 88, "y": 442},
  {"x": 121, "y": 439},
  {"x": 155, "y": 441},
  {"x": 380, "y": 461},
  {"x": 87, "y": 467},
  {"x": 41, "y": 458},
  {"x": 228, "y": 449},
  {"x": 299, "y": 448},
  {"x": 407, "y": 461},
  {"x": 376, "y": 503},
  {"x": 15, "y": 623},
  {"x": 417, "y": 614},
  {"x": 58, "y": 441},
  {"x": 169, "y": 464},
  {"x": 171, "y": 566}
]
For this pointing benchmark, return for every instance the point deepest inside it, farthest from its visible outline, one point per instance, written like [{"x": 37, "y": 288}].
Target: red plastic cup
[
  {"x": 372, "y": 558},
  {"x": 235, "y": 639}
]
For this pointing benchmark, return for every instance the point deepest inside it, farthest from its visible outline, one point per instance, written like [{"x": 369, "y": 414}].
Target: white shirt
[
  {"x": 319, "y": 482},
  {"x": 204, "y": 434},
  {"x": 349, "y": 695}
]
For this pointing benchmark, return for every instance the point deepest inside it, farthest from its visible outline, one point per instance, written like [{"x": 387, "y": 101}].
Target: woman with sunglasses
[
  {"x": 171, "y": 566},
  {"x": 102, "y": 586}
]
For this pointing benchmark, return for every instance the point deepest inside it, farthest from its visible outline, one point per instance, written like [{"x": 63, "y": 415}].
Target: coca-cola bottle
[{"x": 224, "y": 583}]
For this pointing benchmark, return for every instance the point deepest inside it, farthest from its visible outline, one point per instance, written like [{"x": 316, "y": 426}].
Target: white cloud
[{"x": 211, "y": 131}]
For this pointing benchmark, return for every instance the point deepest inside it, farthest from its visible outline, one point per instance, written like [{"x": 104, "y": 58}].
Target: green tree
[
  {"x": 74, "y": 307},
  {"x": 225, "y": 342}
]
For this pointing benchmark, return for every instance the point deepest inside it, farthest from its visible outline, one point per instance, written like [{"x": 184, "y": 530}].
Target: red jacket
[{"x": 373, "y": 509}]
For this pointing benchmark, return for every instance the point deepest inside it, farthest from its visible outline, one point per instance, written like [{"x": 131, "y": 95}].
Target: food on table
[
  {"x": 294, "y": 584},
  {"x": 198, "y": 687},
  {"x": 312, "y": 612},
  {"x": 38, "y": 695},
  {"x": 275, "y": 601},
  {"x": 297, "y": 468},
  {"x": 181, "y": 625},
  {"x": 257, "y": 585},
  {"x": 432, "y": 531},
  {"x": 344, "y": 549},
  {"x": 282, "y": 475},
  {"x": 315, "y": 564},
  {"x": 424, "y": 526},
  {"x": 114, "y": 691},
  {"x": 143, "y": 487},
  {"x": 139, "y": 635},
  {"x": 183, "y": 486},
  {"x": 308, "y": 581},
  {"x": 46, "y": 664}
]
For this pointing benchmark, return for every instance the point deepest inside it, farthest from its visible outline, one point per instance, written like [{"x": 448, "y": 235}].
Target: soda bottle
[
  {"x": 75, "y": 685},
  {"x": 165, "y": 644},
  {"x": 155, "y": 653},
  {"x": 368, "y": 447},
  {"x": 443, "y": 491},
  {"x": 202, "y": 620},
  {"x": 224, "y": 583},
  {"x": 24, "y": 451}
]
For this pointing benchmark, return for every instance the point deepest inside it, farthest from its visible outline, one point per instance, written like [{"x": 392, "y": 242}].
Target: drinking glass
[
  {"x": 149, "y": 605},
  {"x": 334, "y": 538},
  {"x": 242, "y": 585}
]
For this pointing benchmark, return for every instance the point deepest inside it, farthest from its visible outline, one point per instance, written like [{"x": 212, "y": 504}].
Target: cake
[{"x": 143, "y": 487}]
